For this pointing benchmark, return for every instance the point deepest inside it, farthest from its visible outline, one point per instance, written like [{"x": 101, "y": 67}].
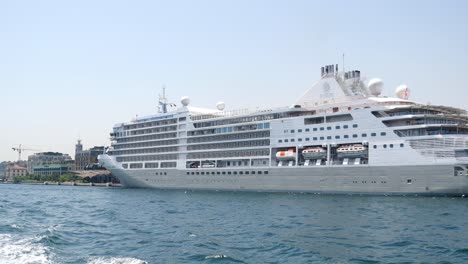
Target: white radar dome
[
  {"x": 185, "y": 100},
  {"x": 220, "y": 106},
  {"x": 402, "y": 92},
  {"x": 375, "y": 86}
]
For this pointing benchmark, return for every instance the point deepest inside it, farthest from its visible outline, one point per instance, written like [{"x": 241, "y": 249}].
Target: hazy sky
[{"x": 72, "y": 69}]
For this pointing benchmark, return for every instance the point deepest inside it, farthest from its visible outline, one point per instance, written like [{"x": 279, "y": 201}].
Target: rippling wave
[{"x": 63, "y": 224}]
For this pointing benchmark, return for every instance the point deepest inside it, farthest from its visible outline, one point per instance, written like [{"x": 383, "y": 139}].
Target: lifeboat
[
  {"x": 351, "y": 151},
  {"x": 289, "y": 154},
  {"x": 314, "y": 153}
]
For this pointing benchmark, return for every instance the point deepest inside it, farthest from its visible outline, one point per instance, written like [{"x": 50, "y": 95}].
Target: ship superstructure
[{"x": 341, "y": 136}]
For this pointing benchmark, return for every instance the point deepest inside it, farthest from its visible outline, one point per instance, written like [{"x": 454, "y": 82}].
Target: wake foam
[
  {"x": 24, "y": 251},
  {"x": 103, "y": 260}
]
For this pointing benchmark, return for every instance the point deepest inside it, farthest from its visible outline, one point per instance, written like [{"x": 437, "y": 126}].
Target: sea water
[{"x": 65, "y": 224}]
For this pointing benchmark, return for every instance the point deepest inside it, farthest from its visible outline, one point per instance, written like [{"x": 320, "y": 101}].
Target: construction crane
[{"x": 19, "y": 149}]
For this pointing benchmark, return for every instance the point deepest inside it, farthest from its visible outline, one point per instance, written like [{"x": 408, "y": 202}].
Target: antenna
[{"x": 343, "y": 63}]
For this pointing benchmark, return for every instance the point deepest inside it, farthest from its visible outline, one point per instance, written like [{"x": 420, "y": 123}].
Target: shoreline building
[
  {"x": 13, "y": 171},
  {"x": 50, "y": 163},
  {"x": 86, "y": 159}
]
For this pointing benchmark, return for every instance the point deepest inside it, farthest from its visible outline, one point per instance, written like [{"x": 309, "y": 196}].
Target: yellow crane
[{"x": 20, "y": 149}]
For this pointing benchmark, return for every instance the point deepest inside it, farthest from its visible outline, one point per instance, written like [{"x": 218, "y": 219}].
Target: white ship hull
[{"x": 356, "y": 179}]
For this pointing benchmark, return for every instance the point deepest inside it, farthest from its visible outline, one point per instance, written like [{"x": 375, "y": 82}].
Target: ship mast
[{"x": 162, "y": 107}]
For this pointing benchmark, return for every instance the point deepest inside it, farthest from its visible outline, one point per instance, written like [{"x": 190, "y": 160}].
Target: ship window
[
  {"x": 313, "y": 120},
  {"x": 307, "y": 139},
  {"x": 202, "y": 173},
  {"x": 328, "y": 137},
  {"x": 373, "y": 134},
  {"x": 322, "y": 138},
  {"x": 354, "y": 135},
  {"x": 346, "y": 136},
  {"x": 212, "y": 173},
  {"x": 292, "y": 130},
  {"x": 345, "y": 126},
  {"x": 364, "y": 135},
  {"x": 322, "y": 128},
  {"x": 193, "y": 173},
  {"x": 408, "y": 181},
  {"x": 337, "y": 137},
  {"x": 235, "y": 172},
  {"x": 299, "y": 139},
  {"x": 198, "y": 173},
  {"x": 314, "y": 138},
  {"x": 253, "y": 172},
  {"x": 246, "y": 172},
  {"x": 307, "y": 130},
  {"x": 280, "y": 141},
  {"x": 337, "y": 127},
  {"x": 292, "y": 140},
  {"x": 165, "y": 173},
  {"x": 375, "y": 146},
  {"x": 259, "y": 172},
  {"x": 188, "y": 173},
  {"x": 265, "y": 172},
  {"x": 260, "y": 126},
  {"x": 218, "y": 172},
  {"x": 229, "y": 172},
  {"x": 299, "y": 130},
  {"x": 402, "y": 145},
  {"x": 355, "y": 125},
  {"x": 383, "y": 133},
  {"x": 328, "y": 128},
  {"x": 286, "y": 140},
  {"x": 224, "y": 173},
  {"x": 266, "y": 125},
  {"x": 315, "y": 129},
  {"x": 391, "y": 145},
  {"x": 385, "y": 145}
]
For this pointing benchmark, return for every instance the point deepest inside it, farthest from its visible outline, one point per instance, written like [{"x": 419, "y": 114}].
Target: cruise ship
[{"x": 341, "y": 136}]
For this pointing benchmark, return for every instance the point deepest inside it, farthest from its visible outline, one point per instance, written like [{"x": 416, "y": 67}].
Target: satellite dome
[
  {"x": 402, "y": 92},
  {"x": 220, "y": 106},
  {"x": 185, "y": 100},
  {"x": 375, "y": 86}
]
